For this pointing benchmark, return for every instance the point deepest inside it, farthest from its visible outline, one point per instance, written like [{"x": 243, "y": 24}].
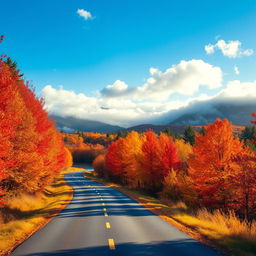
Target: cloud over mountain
[{"x": 173, "y": 95}]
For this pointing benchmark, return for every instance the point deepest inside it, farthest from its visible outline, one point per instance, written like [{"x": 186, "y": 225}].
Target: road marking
[
  {"x": 105, "y": 214},
  {"x": 111, "y": 244},
  {"x": 107, "y": 225}
]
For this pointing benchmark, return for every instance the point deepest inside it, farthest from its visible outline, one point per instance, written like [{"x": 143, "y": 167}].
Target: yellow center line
[
  {"x": 107, "y": 225},
  {"x": 111, "y": 244}
]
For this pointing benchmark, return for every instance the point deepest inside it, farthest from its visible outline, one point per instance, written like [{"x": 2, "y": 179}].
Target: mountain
[
  {"x": 205, "y": 112},
  {"x": 71, "y": 124}
]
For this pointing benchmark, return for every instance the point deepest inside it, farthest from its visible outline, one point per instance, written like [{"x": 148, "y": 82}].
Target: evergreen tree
[
  {"x": 248, "y": 133},
  {"x": 189, "y": 135}
]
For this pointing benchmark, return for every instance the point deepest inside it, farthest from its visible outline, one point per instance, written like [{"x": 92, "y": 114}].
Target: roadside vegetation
[
  {"x": 26, "y": 213},
  {"x": 205, "y": 181},
  {"x": 32, "y": 159}
]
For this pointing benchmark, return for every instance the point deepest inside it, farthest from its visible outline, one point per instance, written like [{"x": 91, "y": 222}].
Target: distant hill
[
  {"x": 159, "y": 128},
  {"x": 174, "y": 128},
  {"x": 71, "y": 124},
  {"x": 205, "y": 112}
]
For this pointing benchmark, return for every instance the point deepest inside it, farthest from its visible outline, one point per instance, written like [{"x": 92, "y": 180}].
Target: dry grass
[
  {"x": 27, "y": 213},
  {"x": 224, "y": 232}
]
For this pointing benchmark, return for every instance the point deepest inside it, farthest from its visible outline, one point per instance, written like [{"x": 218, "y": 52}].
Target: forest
[
  {"x": 31, "y": 149},
  {"x": 212, "y": 168}
]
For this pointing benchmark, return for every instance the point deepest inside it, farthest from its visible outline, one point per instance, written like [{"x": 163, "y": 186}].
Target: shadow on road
[
  {"x": 182, "y": 247},
  {"x": 87, "y": 202}
]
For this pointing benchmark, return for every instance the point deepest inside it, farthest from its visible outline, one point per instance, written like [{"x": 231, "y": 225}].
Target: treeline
[
  {"x": 88, "y": 137},
  {"x": 84, "y": 152},
  {"x": 218, "y": 171},
  {"x": 31, "y": 150}
]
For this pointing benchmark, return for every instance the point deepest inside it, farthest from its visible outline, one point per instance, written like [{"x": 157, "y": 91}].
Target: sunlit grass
[
  {"x": 224, "y": 231},
  {"x": 27, "y": 213}
]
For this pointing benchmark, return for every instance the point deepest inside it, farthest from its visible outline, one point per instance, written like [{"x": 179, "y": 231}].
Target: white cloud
[
  {"x": 236, "y": 70},
  {"x": 85, "y": 14},
  {"x": 230, "y": 49},
  {"x": 114, "y": 111},
  {"x": 209, "y": 49},
  {"x": 184, "y": 78},
  {"x": 120, "y": 104},
  {"x": 115, "y": 89},
  {"x": 238, "y": 89},
  {"x": 126, "y": 112}
]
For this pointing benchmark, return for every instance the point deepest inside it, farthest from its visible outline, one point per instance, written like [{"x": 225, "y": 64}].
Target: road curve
[{"x": 101, "y": 221}]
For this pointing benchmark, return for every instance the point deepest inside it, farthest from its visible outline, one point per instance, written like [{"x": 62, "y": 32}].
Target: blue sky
[{"x": 54, "y": 45}]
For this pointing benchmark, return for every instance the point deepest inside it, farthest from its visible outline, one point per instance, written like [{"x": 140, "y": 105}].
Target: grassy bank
[
  {"x": 27, "y": 213},
  {"x": 224, "y": 232}
]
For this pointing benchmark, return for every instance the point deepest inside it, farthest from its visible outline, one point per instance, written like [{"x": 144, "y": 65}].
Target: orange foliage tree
[
  {"x": 210, "y": 164},
  {"x": 243, "y": 183},
  {"x": 31, "y": 150},
  {"x": 142, "y": 160}
]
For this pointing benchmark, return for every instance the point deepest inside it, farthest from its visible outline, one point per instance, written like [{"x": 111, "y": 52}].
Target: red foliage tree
[
  {"x": 210, "y": 164},
  {"x": 243, "y": 187},
  {"x": 151, "y": 161},
  {"x": 170, "y": 158},
  {"x": 31, "y": 150},
  {"x": 114, "y": 159}
]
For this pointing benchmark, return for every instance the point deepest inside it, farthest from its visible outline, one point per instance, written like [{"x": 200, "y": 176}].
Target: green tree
[
  {"x": 248, "y": 133},
  {"x": 202, "y": 131},
  {"x": 13, "y": 65},
  {"x": 189, "y": 135}
]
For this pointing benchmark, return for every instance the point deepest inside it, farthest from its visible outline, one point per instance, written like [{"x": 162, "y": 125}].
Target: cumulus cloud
[
  {"x": 124, "y": 112},
  {"x": 115, "y": 111},
  {"x": 85, "y": 14},
  {"x": 120, "y": 104},
  {"x": 184, "y": 78},
  {"x": 236, "y": 70},
  {"x": 237, "y": 89},
  {"x": 230, "y": 49}
]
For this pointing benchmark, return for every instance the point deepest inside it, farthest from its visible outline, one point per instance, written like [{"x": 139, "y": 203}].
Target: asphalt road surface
[{"x": 101, "y": 221}]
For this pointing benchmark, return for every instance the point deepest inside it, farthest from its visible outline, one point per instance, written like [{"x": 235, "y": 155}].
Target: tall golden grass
[
  {"x": 26, "y": 213},
  {"x": 224, "y": 231}
]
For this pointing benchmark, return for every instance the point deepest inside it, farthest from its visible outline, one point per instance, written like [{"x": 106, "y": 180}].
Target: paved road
[{"x": 101, "y": 221}]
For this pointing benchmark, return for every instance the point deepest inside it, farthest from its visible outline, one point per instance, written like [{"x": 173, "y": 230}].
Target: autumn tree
[
  {"x": 169, "y": 155},
  {"x": 31, "y": 149},
  {"x": 132, "y": 153},
  {"x": 243, "y": 187},
  {"x": 151, "y": 161},
  {"x": 184, "y": 150},
  {"x": 114, "y": 160},
  {"x": 209, "y": 165},
  {"x": 10, "y": 117}
]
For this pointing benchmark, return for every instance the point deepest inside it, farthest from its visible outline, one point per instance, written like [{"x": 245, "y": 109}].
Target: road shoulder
[
  {"x": 162, "y": 210},
  {"x": 51, "y": 202}
]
